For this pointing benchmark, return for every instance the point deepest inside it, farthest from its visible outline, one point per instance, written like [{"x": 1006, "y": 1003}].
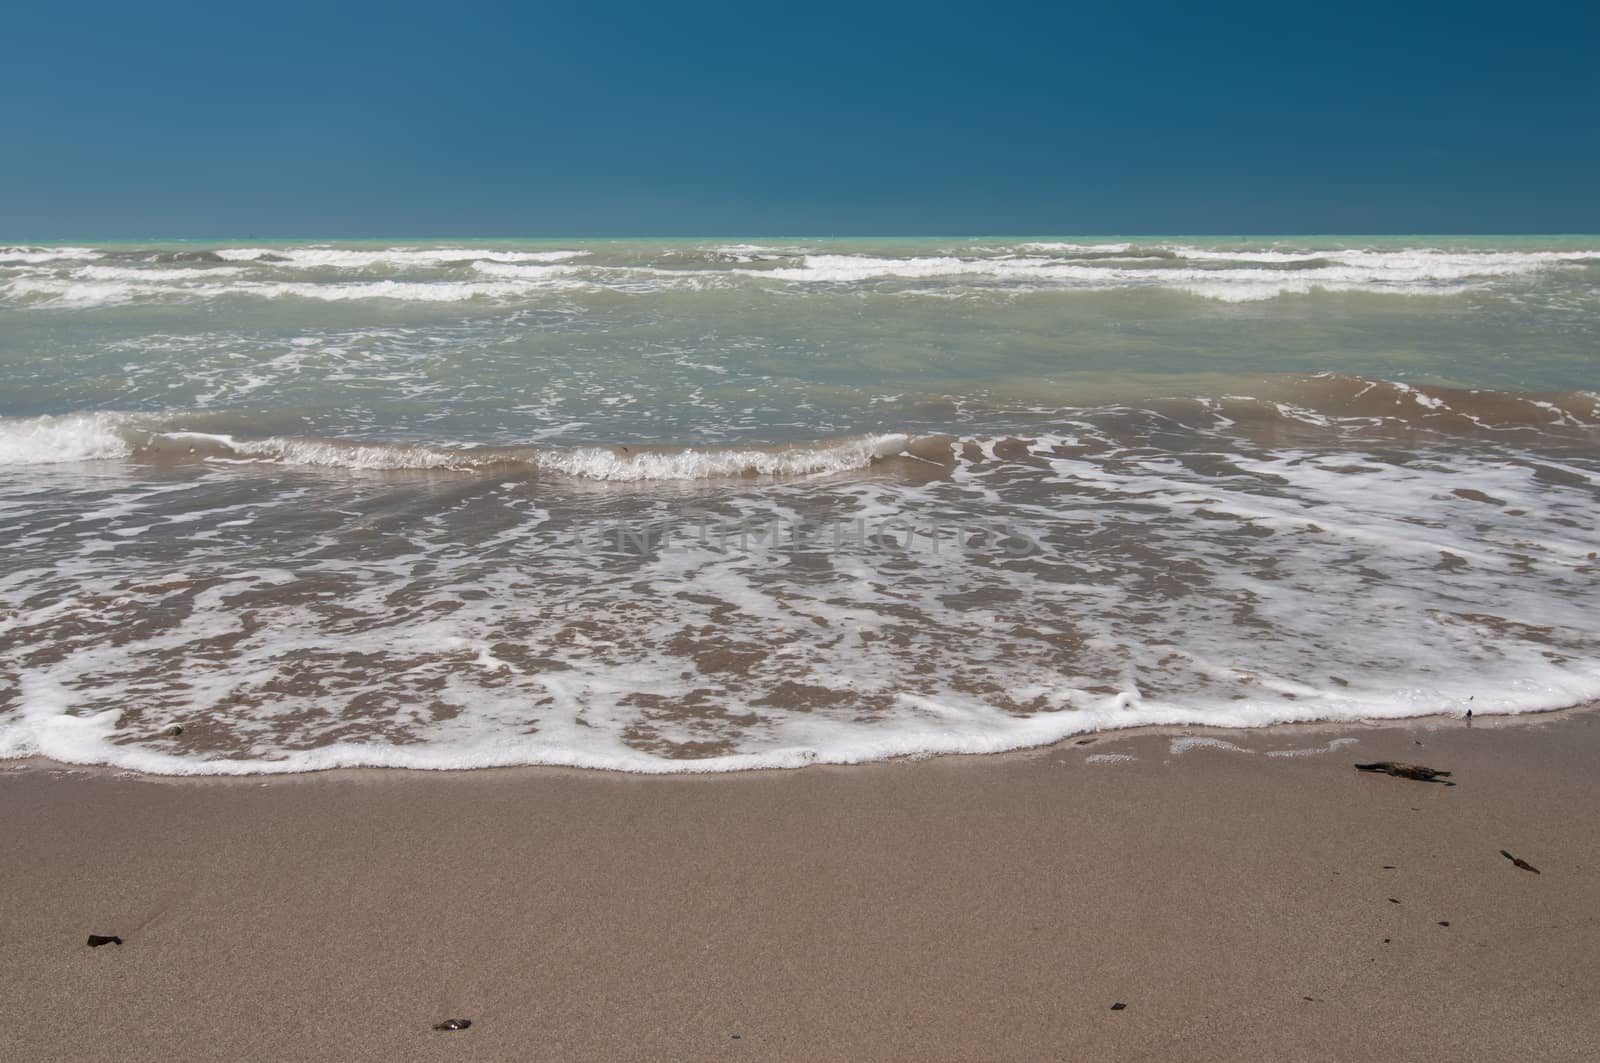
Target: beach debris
[
  {"x": 1118, "y": 1006},
  {"x": 1402, "y": 770},
  {"x": 1394, "y": 900},
  {"x": 96, "y": 940},
  {"x": 1517, "y": 862},
  {"x": 453, "y": 1024},
  {"x": 1444, "y": 922}
]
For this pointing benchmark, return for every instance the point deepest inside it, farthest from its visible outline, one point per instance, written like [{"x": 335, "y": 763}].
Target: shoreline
[
  {"x": 1232, "y": 734},
  {"x": 958, "y": 907}
]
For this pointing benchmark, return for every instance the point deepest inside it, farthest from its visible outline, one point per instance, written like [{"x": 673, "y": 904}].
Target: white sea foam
[
  {"x": 67, "y": 438},
  {"x": 404, "y": 291},
  {"x": 756, "y": 252},
  {"x": 1422, "y": 272},
  {"x": 45, "y": 725},
  {"x": 1046, "y": 246},
  {"x": 1221, "y": 274},
  {"x": 331, "y": 454},
  {"x": 605, "y": 463},
  {"x": 112, "y": 436},
  {"x": 149, "y": 274},
  {"x": 39, "y": 255},
  {"x": 1331, "y": 746},
  {"x": 394, "y": 258},
  {"x": 79, "y": 294},
  {"x": 1187, "y": 743},
  {"x": 437, "y": 610},
  {"x": 523, "y": 270},
  {"x": 588, "y": 463}
]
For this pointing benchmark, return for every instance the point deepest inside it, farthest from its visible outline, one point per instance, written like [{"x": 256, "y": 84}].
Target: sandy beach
[
  {"x": 1241, "y": 905},
  {"x": 577, "y": 532}
]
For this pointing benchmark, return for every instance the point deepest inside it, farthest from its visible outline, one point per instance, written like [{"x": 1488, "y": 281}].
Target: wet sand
[{"x": 1238, "y": 904}]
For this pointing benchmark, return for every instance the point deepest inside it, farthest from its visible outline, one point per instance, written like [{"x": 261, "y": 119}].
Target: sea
[{"x": 712, "y": 504}]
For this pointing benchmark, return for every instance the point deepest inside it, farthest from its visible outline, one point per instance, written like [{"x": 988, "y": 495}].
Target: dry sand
[{"x": 963, "y": 908}]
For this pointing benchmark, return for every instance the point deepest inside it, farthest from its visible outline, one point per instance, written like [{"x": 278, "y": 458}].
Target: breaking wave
[
  {"x": 83, "y": 277},
  {"x": 1327, "y": 403},
  {"x": 130, "y": 437}
]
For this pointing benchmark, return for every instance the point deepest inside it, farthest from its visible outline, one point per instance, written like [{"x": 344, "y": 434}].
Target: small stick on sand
[{"x": 1519, "y": 863}]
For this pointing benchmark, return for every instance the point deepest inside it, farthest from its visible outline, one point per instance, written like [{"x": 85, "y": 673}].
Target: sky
[{"x": 502, "y": 119}]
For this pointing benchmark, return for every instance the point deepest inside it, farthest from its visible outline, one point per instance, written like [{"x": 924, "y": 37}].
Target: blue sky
[{"x": 565, "y": 119}]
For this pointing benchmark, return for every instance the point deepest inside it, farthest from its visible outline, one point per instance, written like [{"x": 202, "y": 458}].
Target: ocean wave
[
  {"x": 396, "y": 258},
  {"x": 110, "y": 436},
  {"x": 82, "y": 278},
  {"x": 29, "y": 256},
  {"x": 1238, "y": 277},
  {"x": 67, "y": 438},
  {"x": 1333, "y": 403},
  {"x": 87, "y": 293},
  {"x": 146, "y": 275},
  {"x": 634, "y": 464}
]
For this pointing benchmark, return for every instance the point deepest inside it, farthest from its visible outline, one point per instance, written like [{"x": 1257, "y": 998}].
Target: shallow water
[{"x": 693, "y": 506}]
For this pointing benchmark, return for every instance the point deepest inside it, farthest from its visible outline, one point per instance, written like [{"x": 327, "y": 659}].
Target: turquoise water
[{"x": 659, "y": 341}]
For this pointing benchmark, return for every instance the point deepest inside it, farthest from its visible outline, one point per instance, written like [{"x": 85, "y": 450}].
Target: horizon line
[{"x": 59, "y": 241}]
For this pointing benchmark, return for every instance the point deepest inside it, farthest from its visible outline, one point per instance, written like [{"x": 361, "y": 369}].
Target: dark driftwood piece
[{"x": 1407, "y": 771}]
